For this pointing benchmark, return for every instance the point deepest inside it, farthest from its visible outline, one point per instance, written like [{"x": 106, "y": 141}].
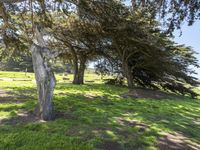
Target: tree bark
[
  {"x": 45, "y": 78},
  {"x": 79, "y": 68},
  {"x": 45, "y": 83},
  {"x": 76, "y": 72},
  {"x": 128, "y": 74},
  {"x": 82, "y": 69},
  {"x": 75, "y": 65}
]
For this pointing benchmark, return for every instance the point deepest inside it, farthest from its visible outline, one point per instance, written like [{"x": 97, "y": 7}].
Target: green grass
[
  {"x": 4, "y": 74},
  {"x": 93, "y": 116}
]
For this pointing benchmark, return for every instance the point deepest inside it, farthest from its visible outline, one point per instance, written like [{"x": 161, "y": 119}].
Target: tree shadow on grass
[
  {"x": 17, "y": 95},
  {"x": 22, "y": 117},
  {"x": 18, "y": 103},
  {"x": 96, "y": 114},
  {"x": 106, "y": 117}
]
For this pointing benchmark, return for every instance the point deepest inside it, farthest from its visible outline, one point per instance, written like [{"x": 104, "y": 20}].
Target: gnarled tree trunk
[
  {"x": 44, "y": 76},
  {"x": 40, "y": 56},
  {"x": 45, "y": 83}
]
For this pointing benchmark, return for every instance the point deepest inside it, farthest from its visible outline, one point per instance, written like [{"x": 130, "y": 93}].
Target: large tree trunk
[
  {"x": 45, "y": 83},
  {"x": 44, "y": 76},
  {"x": 79, "y": 69},
  {"x": 82, "y": 70},
  {"x": 128, "y": 74},
  {"x": 75, "y": 65},
  {"x": 76, "y": 71},
  {"x": 45, "y": 79}
]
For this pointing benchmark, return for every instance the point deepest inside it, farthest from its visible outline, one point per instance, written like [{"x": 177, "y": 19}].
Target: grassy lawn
[{"x": 94, "y": 116}]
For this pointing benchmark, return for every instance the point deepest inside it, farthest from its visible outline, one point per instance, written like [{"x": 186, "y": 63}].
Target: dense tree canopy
[
  {"x": 139, "y": 46},
  {"x": 173, "y": 13},
  {"x": 130, "y": 41}
]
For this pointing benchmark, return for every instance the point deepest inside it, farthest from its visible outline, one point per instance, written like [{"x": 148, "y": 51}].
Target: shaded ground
[
  {"x": 176, "y": 141},
  {"x": 95, "y": 116},
  {"x": 22, "y": 115},
  {"x": 149, "y": 94},
  {"x": 2, "y": 93}
]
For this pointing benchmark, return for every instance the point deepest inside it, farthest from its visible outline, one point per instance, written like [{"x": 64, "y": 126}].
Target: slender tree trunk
[{"x": 45, "y": 83}]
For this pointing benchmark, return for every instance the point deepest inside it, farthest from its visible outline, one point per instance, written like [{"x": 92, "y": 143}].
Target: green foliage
[
  {"x": 131, "y": 39},
  {"x": 117, "y": 81},
  {"x": 173, "y": 13},
  {"x": 135, "y": 47},
  {"x": 17, "y": 63}
]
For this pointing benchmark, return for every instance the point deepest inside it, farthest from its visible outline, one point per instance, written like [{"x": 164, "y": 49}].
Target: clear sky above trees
[{"x": 190, "y": 37}]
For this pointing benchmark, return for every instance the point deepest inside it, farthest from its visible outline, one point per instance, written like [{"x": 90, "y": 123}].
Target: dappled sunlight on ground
[
  {"x": 96, "y": 116},
  {"x": 176, "y": 141}
]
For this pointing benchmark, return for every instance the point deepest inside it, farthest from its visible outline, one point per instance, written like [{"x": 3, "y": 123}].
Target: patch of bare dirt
[
  {"x": 148, "y": 93},
  {"x": 176, "y": 141}
]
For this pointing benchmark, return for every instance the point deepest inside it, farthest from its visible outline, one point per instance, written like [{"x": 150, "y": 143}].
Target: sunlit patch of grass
[
  {"x": 6, "y": 74},
  {"x": 4, "y": 114},
  {"x": 95, "y": 114},
  {"x": 9, "y": 109}
]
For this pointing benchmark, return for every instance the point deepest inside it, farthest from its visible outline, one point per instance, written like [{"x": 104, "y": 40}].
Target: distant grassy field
[
  {"x": 59, "y": 76},
  {"x": 94, "y": 116}
]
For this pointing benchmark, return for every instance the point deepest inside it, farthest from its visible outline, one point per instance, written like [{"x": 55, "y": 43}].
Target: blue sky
[{"x": 190, "y": 37}]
